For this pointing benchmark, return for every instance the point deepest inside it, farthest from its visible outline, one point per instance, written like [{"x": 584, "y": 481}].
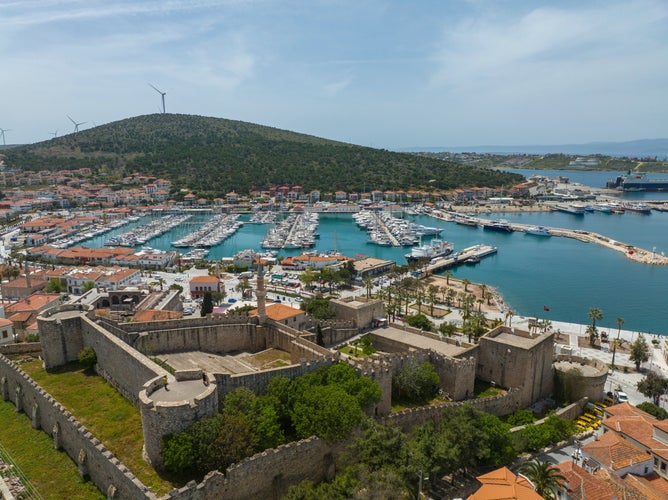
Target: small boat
[{"x": 538, "y": 231}]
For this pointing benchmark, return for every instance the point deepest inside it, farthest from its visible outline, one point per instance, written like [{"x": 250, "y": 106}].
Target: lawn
[
  {"x": 52, "y": 473},
  {"x": 356, "y": 352},
  {"x": 110, "y": 417},
  {"x": 485, "y": 390}
]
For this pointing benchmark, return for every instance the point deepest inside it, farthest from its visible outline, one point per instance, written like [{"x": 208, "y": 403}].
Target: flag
[{"x": 545, "y": 308}]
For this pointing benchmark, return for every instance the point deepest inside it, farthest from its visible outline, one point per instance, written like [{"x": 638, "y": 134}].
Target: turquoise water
[{"x": 565, "y": 275}]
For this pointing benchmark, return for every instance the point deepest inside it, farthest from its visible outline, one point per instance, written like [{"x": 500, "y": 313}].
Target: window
[{"x": 4, "y": 334}]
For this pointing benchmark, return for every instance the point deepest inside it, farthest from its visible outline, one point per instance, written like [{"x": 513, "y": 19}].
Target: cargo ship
[{"x": 637, "y": 181}]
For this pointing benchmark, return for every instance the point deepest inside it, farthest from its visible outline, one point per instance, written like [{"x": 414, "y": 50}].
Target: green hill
[{"x": 212, "y": 156}]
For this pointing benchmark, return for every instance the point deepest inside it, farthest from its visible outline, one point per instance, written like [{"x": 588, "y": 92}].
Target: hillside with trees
[{"x": 212, "y": 156}]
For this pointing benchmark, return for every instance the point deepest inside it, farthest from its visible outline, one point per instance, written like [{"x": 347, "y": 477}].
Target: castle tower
[{"x": 261, "y": 294}]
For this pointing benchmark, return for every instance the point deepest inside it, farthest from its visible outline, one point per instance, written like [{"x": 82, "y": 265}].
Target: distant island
[{"x": 642, "y": 148}]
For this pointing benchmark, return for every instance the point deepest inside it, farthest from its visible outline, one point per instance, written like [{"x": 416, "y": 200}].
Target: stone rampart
[
  {"x": 264, "y": 475},
  {"x": 503, "y": 404},
  {"x": 258, "y": 381},
  {"x": 160, "y": 418},
  {"x": 594, "y": 371},
  {"x": 93, "y": 459},
  {"x": 21, "y": 348},
  {"x": 123, "y": 367}
]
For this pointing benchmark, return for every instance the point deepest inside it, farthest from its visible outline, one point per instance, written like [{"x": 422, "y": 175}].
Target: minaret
[{"x": 261, "y": 293}]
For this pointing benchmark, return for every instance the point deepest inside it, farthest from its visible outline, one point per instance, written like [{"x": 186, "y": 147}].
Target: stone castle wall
[
  {"x": 528, "y": 365},
  {"x": 266, "y": 475},
  {"x": 500, "y": 405},
  {"x": 595, "y": 383},
  {"x": 93, "y": 459},
  {"x": 258, "y": 381},
  {"x": 126, "y": 369},
  {"x": 22, "y": 348},
  {"x": 162, "y": 418}
]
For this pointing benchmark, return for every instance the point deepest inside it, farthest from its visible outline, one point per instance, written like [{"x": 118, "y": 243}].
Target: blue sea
[{"x": 567, "y": 276}]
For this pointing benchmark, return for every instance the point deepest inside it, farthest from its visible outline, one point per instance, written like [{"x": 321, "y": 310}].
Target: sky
[{"x": 382, "y": 73}]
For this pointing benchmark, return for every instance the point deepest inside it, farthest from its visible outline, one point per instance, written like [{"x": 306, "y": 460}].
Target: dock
[
  {"x": 470, "y": 253},
  {"x": 631, "y": 252}
]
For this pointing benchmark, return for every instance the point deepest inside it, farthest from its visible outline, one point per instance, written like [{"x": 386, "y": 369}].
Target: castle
[{"x": 518, "y": 361}]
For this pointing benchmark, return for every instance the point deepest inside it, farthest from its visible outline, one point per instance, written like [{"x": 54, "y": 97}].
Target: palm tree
[
  {"x": 595, "y": 315},
  {"x": 448, "y": 275},
  {"x": 431, "y": 298},
  {"x": 466, "y": 282},
  {"x": 620, "y": 323},
  {"x": 451, "y": 296},
  {"x": 509, "y": 317},
  {"x": 546, "y": 479},
  {"x": 368, "y": 284}
]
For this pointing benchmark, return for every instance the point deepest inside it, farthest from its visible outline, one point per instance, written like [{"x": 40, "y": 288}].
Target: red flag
[{"x": 545, "y": 308}]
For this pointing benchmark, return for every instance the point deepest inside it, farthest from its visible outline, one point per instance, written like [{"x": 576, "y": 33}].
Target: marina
[{"x": 567, "y": 273}]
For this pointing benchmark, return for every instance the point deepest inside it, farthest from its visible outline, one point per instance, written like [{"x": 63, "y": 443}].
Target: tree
[
  {"x": 53, "y": 286},
  {"x": 207, "y": 304},
  {"x": 569, "y": 386},
  {"x": 595, "y": 315},
  {"x": 419, "y": 321},
  {"x": 243, "y": 286},
  {"x": 653, "y": 386},
  {"x": 592, "y": 332},
  {"x": 653, "y": 409},
  {"x": 416, "y": 382},
  {"x": 448, "y": 329},
  {"x": 448, "y": 275},
  {"x": 326, "y": 411},
  {"x": 88, "y": 285},
  {"x": 546, "y": 479},
  {"x": 620, "y": 323},
  {"x": 639, "y": 351},
  {"x": 368, "y": 285},
  {"x": 431, "y": 298},
  {"x": 466, "y": 282},
  {"x": 319, "y": 308},
  {"x": 87, "y": 357},
  {"x": 218, "y": 297}
]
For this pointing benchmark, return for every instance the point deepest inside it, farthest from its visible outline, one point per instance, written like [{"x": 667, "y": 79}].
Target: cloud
[
  {"x": 480, "y": 50},
  {"x": 334, "y": 88}
]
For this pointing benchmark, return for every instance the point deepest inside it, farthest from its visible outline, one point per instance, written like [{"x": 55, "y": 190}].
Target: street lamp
[
  {"x": 426, "y": 478},
  {"x": 576, "y": 452}
]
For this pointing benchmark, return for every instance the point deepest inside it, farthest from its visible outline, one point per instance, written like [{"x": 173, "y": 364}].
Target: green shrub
[{"x": 88, "y": 357}]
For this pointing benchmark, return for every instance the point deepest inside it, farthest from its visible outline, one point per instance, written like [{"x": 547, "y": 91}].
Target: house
[
  {"x": 22, "y": 287},
  {"x": 618, "y": 455},
  {"x": 6, "y": 331},
  {"x": 646, "y": 433},
  {"x": 581, "y": 485},
  {"x": 199, "y": 285},
  {"x": 286, "y": 315},
  {"x": 503, "y": 484}
]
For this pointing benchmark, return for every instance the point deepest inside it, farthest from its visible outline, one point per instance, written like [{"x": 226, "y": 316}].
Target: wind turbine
[
  {"x": 2, "y": 133},
  {"x": 162, "y": 94},
  {"x": 76, "y": 125},
  {"x": 54, "y": 134}
]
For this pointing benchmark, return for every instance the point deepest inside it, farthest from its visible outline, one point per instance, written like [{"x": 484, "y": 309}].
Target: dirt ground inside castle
[{"x": 240, "y": 362}]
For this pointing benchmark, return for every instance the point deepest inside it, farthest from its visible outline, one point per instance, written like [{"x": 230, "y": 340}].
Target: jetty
[
  {"x": 474, "y": 253},
  {"x": 631, "y": 252}
]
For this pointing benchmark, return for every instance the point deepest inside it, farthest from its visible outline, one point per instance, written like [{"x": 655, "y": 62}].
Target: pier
[
  {"x": 631, "y": 252},
  {"x": 475, "y": 252}
]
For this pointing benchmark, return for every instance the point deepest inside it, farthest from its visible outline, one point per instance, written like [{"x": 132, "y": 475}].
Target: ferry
[
  {"x": 637, "y": 181},
  {"x": 637, "y": 207},
  {"x": 433, "y": 250},
  {"x": 499, "y": 225},
  {"x": 571, "y": 208},
  {"x": 538, "y": 231}
]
